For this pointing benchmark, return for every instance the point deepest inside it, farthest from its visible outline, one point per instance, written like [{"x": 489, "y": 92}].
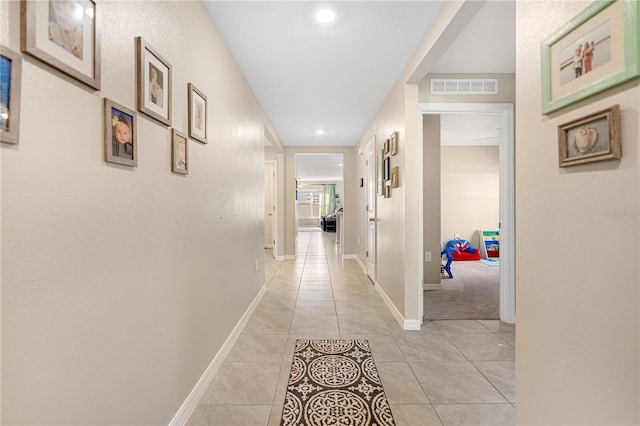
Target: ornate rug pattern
[{"x": 335, "y": 382}]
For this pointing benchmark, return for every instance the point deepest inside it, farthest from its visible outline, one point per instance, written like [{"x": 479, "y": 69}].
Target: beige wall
[
  {"x": 577, "y": 273},
  {"x": 470, "y": 191},
  {"x": 506, "y": 89},
  {"x": 120, "y": 285},
  {"x": 431, "y": 197}
]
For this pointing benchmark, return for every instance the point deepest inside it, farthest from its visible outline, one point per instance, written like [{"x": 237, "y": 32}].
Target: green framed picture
[{"x": 595, "y": 51}]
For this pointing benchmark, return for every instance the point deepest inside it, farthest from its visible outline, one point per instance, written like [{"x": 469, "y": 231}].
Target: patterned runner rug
[{"x": 335, "y": 382}]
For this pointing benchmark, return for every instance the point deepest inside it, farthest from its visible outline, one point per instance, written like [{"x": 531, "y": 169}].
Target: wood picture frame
[
  {"x": 179, "y": 153},
  {"x": 387, "y": 169},
  {"x": 10, "y": 84},
  {"x": 380, "y": 173},
  {"x": 386, "y": 146},
  {"x": 395, "y": 177},
  {"x": 198, "y": 111},
  {"x": 65, "y": 35},
  {"x": 120, "y": 134},
  {"x": 595, "y": 51},
  {"x": 595, "y": 137},
  {"x": 153, "y": 81},
  {"x": 394, "y": 143}
]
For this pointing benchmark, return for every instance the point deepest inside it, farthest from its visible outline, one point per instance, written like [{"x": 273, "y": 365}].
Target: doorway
[
  {"x": 270, "y": 211},
  {"x": 506, "y": 224}
]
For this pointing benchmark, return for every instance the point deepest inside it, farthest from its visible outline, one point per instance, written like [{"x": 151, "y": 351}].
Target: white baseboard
[
  {"x": 426, "y": 286},
  {"x": 290, "y": 257},
  {"x": 189, "y": 405},
  {"x": 280, "y": 258},
  {"x": 412, "y": 325},
  {"x": 392, "y": 307}
]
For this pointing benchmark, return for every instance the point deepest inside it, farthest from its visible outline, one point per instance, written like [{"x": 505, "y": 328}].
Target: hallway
[{"x": 451, "y": 372}]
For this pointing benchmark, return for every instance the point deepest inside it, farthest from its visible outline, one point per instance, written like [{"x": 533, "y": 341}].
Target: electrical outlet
[{"x": 427, "y": 256}]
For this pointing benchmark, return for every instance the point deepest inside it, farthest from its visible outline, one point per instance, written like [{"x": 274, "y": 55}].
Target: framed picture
[
  {"x": 120, "y": 134},
  {"x": 66, "y": 35},
  {"x": 153, "y": 83},
  {"x": 595, "y": 137},
  {"x": 179, "y": 153},
  {"x": 386, "y": 146},
  {"x": 394, "y": 143},
  {"x": 387, "y": 172},
  {"x": 387, "y": 191},
  {"x": 379, "y": 175},
  {"x": 10, "y": 82},
  {"x": 395, "y": 177},
  {"x": 595, "y": 51},
  {"x": 197, "y": 114}
]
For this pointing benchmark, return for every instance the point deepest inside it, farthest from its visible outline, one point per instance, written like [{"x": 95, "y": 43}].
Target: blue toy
[{"x": 453, "y": 246}]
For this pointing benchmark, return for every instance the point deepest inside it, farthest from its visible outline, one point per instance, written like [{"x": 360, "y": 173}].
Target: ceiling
[{"x": 334, "y": 77}]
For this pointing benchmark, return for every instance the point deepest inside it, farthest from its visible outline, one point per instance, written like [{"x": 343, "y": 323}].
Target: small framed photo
[
  {"x": 394, "y": 143},
  {"x": 387, "y": 191},
  {"x": 197, "y": 114},
  {"x": 595, "y": 137},
  {"x": 120, "y": 134},
  {"x": 10, "y": 82},
  {"x": 387, "y": 170},
  {"x": 595, "y": 51},
  {"x": 395, "y": 177},
  {"x": 380, "y": 173},
  {"x": 153, "y": 83},
  {"x": 386, "y": 146},
  {"x": 179, "y": 153},
  {"x": 66, "y": 35}
]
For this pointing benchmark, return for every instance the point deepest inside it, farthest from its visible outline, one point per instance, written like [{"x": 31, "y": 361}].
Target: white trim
[
  {"x": 426, "y": 286},
  {"x": 189, "y": 404},
  {"x": 290, "y": 257},
  {"x": 280, "y": 258},
  {"x": 507, "y": 190},
  {"x": 412, "y": 325}
]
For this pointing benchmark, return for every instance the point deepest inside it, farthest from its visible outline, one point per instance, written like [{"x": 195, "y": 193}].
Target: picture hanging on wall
[
  {"x": 380, "y": 174},
  {"x": 387, "y": 170},
  {"x": 66, "y": 35},
  {"x": 179, "y": 153},
  {"x": 197, "y": 114},
  {"x": 120, "y": 134},
  {"x": 395, "y": 177},
  {"x": 394, "y": 143},
  {"x": 153, "y": 83},
  {"x": 10, "y": 82},
  {"x": 595, "y": 137},
  {"x": 386, "y": 146},
  {"x": 595, "y": 51}
]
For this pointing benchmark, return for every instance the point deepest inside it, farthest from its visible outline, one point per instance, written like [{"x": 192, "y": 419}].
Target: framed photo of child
[
  {"x": 120, "y": 134},
  {"x": 595, "y": 51},
  {"x": 64, "y": 34},
  {"x": 10, "y": 77},
  {"x": 179, "y": 153},
  {"x": 197, "y": 114},
  {"x": 153, "y": 78}
]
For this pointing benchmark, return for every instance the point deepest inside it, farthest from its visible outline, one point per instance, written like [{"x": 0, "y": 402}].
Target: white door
[
  {"x": 371, "y": 208},
  {"x": 268, "y": 205}
]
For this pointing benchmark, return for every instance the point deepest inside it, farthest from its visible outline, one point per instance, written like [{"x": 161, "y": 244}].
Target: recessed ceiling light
[
  {"x": 319, "y": 132},
  {"x": 325, "y": 16}
]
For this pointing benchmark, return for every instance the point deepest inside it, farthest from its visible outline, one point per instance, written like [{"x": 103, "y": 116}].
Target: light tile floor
[{"x": 449, "y": 373}]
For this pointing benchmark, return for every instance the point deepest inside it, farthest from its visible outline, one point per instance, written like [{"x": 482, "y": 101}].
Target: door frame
[
  {"x": 506, "y": 150},
  {"x": 370, "y": 190},
  {"x": 274, "y": 201}
]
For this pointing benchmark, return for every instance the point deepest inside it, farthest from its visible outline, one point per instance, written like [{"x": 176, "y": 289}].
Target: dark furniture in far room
[{"x": 328, "y": 223}]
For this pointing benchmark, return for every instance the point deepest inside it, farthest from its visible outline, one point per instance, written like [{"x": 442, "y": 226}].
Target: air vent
[{"x": 464, "y": 86}]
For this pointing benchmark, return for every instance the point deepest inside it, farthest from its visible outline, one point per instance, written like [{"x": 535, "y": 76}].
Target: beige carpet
[
  {"x": 335, "y": 382},
  {"x": 473, "y": 293}
]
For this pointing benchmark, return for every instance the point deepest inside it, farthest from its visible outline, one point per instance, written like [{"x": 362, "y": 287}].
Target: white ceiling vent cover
[{"x": 469, "y": 86}]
